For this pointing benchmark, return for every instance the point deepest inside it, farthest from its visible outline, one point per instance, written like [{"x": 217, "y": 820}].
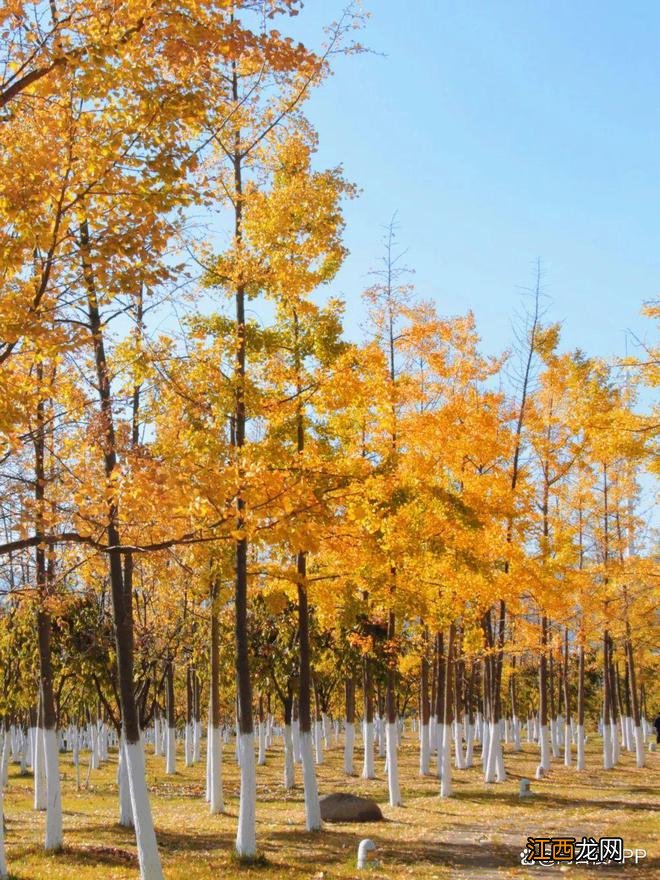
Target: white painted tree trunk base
[
  {"x": 469, "y": 748},
  {"x": 446, "y": 788},
  {"x": 368, "y": 771},
  {"x": 157, "y": 738},
  {"x": 289, "y": 763},
  {"x": 125, "y": 806},
  {"x": 4, "y": 758},
  {"x": 484, "y": 745},
  {"x": 544, "y": 746},
  {"x": 318, "y": 742},
  {"x": 580, "y": 759},
  {"x": 170, "y": 750},
  {"x": 216, "y": 798},
  {"x": 554, "y": 727},
  {"x": 439, "y": 746},
  {"x": 424, "y": 751},
  {"x": 295, "y": 733},
  {"x": 349, "y": 745},
  {"x": 488, "y": 752},
  {"x": 3, "y": 863},
  {"x": 197, "y": 741},
  {"x": 459, "y": 755},
  {"x": 39, "y": 770},
  {"x": 145, "y": 836},
  {"x": 393, "y": 787},
  {"x": 639, "y": 747},
  {"x": 246, "y": 834},
  {"x": 207, "y": 794},
  {"x": 500, "y": 771},
  {"x": 312, "y": 805},
  {"x": 32, "y": 733},
  {"x": 188, "y": 746},
  {"x": 608, "y": 762},
  {"x": 615, "y": 743},
  {"x": 515, "y": 723}
]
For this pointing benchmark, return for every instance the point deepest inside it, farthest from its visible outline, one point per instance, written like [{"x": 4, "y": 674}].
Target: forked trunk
[
  {"x": 638, "y": 735},
  {"x": 149, "y": 859}
]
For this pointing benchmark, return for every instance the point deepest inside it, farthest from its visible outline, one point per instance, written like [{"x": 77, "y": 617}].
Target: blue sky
[{"x": 501, "y": 131}]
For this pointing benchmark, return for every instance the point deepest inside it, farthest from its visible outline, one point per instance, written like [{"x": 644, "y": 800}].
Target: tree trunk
[
  {"x": 567, "y": 705},
  {"x": 39, "y": 761},
  {"x": 614, "y": 704},
  {"x": 289, "y": 763},
  {"x": 368, "y": 721},
  {"x": 189, "y": 743},
  {"x": 543, "y": 697},
  {"x": 312, "y": 806},
  {"x": 469, "y": 716},
  {"x": 44, "y": 572},
  {"x": 214, "y": 737},
  {"x": 261, "y": 760},
  {"x": 149, "y": 859},
  {"x": 515, "y": 721},
  {"x": 580, "y": 764},
  {"x": 459, "y": 687},
  {"x": 448, "y": 717},
  {"x": 439, "y": 696},
  {"x": 639, "y": 738},
  {"x": 607, "y": 711},
  {"x": 391, "y": 729},
  {"x": 424, "y": 711},
  {"x": 246, "y": 834},
  {"x": 349, "y": 732},
  {"x": 553, "y": 705},
  {"x": 125, "y": 808},
  {"x": 170, "y": 711}
]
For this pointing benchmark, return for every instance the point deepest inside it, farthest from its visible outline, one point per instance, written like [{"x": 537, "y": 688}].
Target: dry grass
[{"x": 478, "y": 833}]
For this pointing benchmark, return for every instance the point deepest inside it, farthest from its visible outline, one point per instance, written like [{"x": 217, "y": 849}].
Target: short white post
[{"x": 365, "y": 849}]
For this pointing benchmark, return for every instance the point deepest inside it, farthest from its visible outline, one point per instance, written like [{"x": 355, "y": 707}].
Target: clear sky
[{"x": 503, "y": 130}]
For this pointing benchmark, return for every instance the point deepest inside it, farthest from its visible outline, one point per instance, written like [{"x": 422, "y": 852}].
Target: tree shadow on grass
[
  {"x": 82, "y": 854},
  {"x": 178, "y": 841},
  {"x": 339, "y": 845},
  {"x": 549, "y": 799},
  {"x": 99, "y": 855}
]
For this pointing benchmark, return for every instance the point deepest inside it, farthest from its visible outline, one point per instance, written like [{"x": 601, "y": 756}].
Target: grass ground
[{"x": 478, "y": 833}]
